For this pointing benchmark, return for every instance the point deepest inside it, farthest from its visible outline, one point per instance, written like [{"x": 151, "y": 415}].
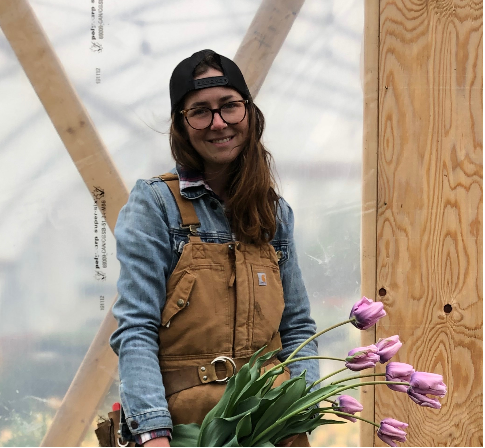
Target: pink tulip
[
  {"x": 388, "y": 347},
  {"x": 362, "y": 358},
  {"x": 366, "y": 313},
  {"x": 349, "y": 405},
  {"x": 428, "y": 383},
  {"x": 392, "y": 430},
  {"x": 399, "y": 371},
  {"x": 423, "y": 383}
]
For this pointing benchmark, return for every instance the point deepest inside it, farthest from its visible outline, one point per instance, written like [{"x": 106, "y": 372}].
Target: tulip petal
[
  {"x": 388, "y": 347},
  {"x": 366, "y": 313},
  {"x": 423, "y": 400},
  {"x": 349, "y": 405},
  {"x": 399, "y": 371},
  {"x": 391, "y": 430},
  {"x": 428, "y": 383}
]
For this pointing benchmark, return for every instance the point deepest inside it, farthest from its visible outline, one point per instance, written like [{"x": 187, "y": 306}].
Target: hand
[
  {"x": 288, "y": 441},
  {"x": 158, "y": 441}
]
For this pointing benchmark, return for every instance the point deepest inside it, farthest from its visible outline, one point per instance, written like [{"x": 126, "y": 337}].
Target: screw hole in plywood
[{"x": 447, "y": 308}]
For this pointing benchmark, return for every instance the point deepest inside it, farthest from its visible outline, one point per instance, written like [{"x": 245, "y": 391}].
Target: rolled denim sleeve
[
  {"x": 143, "y": 249},
  {"x": 296, "y": 324}
]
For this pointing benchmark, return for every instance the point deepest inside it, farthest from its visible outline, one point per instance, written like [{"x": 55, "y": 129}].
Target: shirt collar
[{"x": 192, "y": 183}]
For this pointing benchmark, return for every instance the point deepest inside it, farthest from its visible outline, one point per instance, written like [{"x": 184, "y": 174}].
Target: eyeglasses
[{"x": 202, "y": 117}]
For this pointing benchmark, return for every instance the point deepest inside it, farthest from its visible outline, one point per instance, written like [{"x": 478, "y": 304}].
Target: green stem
[
  {"x": 353, "y": 416},
  {"x": 303, "y": 358},
  {"x": 327, "y": 376},
  {"x": 316, "y": 335},
  {"x": 312, "y": 403},
  {"x": 356, "y": 377}
]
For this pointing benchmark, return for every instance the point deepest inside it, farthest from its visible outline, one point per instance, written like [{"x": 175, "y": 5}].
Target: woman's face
[{"x": 220, "y": 143}]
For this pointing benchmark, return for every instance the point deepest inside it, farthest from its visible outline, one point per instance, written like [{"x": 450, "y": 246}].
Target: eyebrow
[{"x": 205, "y": 103}]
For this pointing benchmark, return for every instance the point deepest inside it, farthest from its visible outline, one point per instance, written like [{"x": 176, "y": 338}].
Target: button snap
[
  {"x": 134, "y": 424},
  {"x": 204, "y": 377},
  {"x": 231, "y": 246},
  {"x": 203, "y": 369},
  {"x": 180, "y": 303}
]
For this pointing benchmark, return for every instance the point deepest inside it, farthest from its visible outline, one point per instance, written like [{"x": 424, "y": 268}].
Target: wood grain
[
  {"x": 430, "y": 196},
  {"x": 369, "y": 194}
]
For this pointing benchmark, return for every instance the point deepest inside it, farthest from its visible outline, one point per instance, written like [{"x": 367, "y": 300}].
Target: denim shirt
[{"x": 149, "y": 241}]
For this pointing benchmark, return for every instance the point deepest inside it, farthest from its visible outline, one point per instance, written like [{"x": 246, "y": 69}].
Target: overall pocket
[{"x": 195, "y": 319}]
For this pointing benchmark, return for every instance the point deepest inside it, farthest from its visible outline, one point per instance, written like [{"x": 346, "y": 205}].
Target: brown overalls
[{"x": 224, "y": 302}]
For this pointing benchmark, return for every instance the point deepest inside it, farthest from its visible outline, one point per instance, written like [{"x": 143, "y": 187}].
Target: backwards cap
[{"x": 183, "y": 82}]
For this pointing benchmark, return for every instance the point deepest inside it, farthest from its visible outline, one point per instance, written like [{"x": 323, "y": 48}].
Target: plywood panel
[{"x": 429, "y": 228}]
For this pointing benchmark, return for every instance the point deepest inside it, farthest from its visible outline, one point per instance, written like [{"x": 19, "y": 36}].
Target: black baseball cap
[{"x": 182, "y": 80}]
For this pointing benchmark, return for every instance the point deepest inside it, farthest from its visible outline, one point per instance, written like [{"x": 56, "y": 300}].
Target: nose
[{"x": 217, "y": 122}]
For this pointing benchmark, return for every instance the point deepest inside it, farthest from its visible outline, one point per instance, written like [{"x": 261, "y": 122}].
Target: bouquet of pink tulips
[{"x": 253, "y": 413}]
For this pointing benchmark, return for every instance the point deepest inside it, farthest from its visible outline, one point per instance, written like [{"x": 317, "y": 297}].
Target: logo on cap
[{"x": 210, "y": 82}]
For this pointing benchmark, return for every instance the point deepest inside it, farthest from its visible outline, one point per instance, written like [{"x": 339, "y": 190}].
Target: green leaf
[
  {"x": 255, "y": 355},
  {"x": 241, "y": 380},
  {"x": 233, "y": 442},
  {"x": 257, "y": 381},
  {"x": 244, "y": 428},
  {"x": 309, "y": 399},
  {"x": 247, "y": 405},
  {"x": 217, "y": 432},
  {"x": 185, "y": 435},
  {"x": 291, "y": 391},
  {"x": 219, "y": 408}
]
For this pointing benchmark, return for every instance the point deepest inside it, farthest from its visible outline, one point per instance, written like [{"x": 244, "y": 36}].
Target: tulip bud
[
  {"x": 366, "y": 313},
  {"x": 362, "y": 358},
  {"x": 349, "y": 405},
  {"x": 423, "y": 383},
  {"x": 399, "y": 371},
  {"x": 391, "y": 430},
  {"x": 388, "y": 347},
  {"x": 428, "y": 383}
]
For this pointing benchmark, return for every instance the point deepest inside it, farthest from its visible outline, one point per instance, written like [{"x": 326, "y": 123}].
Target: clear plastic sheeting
[{"x": 55, "y": 285}]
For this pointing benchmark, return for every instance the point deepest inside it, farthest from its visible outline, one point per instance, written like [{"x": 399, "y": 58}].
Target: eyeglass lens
[{"x": 201, "y": 117}]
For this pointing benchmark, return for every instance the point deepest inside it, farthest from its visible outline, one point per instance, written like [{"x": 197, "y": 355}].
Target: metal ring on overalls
[
  {"x": 224, "y": 359},
  {"x": 121, "y": 444}
]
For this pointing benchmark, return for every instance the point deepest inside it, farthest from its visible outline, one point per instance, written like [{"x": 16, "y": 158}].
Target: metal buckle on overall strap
[
  {"x": 192, "y": 228},
  {"x": 223, "y": 359}
]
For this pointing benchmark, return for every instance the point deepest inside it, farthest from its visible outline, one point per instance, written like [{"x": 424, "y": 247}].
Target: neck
[{"x": 217, "y": 178}]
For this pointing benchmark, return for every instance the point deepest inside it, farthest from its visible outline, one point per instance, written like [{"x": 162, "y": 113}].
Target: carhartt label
[{"x": 262, "y": 278}]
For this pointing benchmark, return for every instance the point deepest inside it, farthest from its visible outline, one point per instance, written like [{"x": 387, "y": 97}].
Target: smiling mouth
[{"x": 222, "y": 140}]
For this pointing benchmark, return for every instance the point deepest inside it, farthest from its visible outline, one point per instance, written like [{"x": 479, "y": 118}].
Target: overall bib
[{"x": 223, "y": 303}]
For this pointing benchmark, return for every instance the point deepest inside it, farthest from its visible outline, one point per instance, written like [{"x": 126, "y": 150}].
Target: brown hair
[{"x": 252, "y": 200}]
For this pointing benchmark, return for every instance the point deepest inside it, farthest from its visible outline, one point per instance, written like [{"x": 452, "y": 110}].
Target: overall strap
[{"x": 185, "y": 206}]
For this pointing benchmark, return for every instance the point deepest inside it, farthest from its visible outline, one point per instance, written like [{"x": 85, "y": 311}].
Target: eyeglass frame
[{"x": 213, "y": 111}]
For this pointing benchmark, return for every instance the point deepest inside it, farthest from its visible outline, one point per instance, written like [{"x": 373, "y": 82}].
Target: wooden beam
[
  {"x": 369, "y": 194},
  {"x": 430, "y": 205},
  {"x": 44, "y": 70},
  {"x": 264, "y": 38}
]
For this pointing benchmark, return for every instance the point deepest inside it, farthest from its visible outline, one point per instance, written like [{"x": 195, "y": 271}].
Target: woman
[{"x": 209, "y": 272}]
